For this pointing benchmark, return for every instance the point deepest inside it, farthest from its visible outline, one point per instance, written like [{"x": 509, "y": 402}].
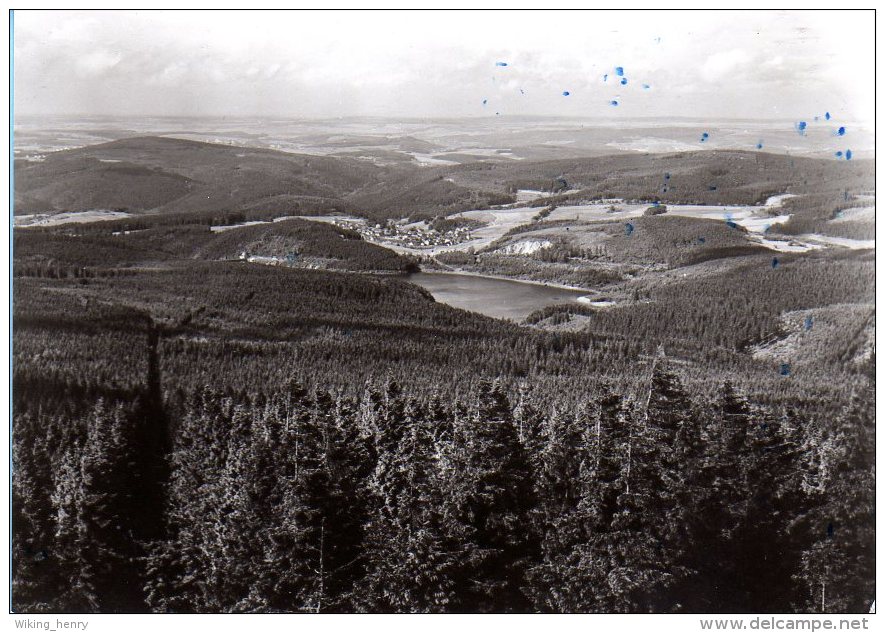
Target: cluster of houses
[{"x": 409, "y": 235}]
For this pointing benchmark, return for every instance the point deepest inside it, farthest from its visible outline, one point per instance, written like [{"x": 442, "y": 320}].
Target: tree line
[{"x": 313, "y": 501}]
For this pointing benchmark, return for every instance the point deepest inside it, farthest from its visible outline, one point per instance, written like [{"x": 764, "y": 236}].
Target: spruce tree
[
  {"x": 838, "y": 569},
  {"x": 498, "y": 505}
]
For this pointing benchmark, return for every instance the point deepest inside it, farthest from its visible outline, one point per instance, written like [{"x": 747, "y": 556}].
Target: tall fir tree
[{"x": 838, "y": 570}]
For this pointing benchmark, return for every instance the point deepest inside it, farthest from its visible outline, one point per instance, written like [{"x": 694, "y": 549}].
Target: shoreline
[{"x": 468, "y": 273}]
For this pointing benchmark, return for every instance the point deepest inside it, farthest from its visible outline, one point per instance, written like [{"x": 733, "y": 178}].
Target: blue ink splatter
[
  {"x": 809, "y": 322},
  {"x": 785, "y": 369},
  {"x": 775, "y": 263},
  {"x": 500, "y": 63},
  {"x": 712, "y": 187},
  {"x": 565, "y": 93},
  {"x": 840, "y": 131},
  {"x": 839, "y": 154},
  {"x": 497, "y": 114},
  {"x": 521, "y": 91},
  {"x": 666, "y": 176},
  {"x": 605, "y": 77},
  {"x": 827, "y": 116},
  {"x": 629, "y": 229},
  {"x": 485, "y": 101},
  {"x": 613, "y": 102},
  {"x": 759, "y": 145},
  {"x": 847, "y": 154},
  {"x": 619, "y": 71},
  {"x": 624, "y": 81},
  {"x": 646, "y": 87},
  {"x": 702, "y": 240},
  {"x": 800, "y": 127},
  {"x": 704, "y": 136}
]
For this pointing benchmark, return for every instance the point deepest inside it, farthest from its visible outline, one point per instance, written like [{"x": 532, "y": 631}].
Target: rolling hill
[{"x": 169, "y": 176}]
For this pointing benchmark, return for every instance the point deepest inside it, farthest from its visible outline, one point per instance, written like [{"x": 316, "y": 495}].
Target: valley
[{"x": 196, "y": 282}]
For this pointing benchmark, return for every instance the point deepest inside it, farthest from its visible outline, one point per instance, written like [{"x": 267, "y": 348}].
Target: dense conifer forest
[
  {"x": 313, "y": 501},
  {"x": 166, "y": 460},
  {"x": 308, "y": 433}
]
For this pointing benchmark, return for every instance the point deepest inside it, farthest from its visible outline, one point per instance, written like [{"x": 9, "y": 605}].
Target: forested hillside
[
  {"x": 269, "y": 417},
  {"x": 175, "y": 176},
  {"x": 308, "y": 501}
]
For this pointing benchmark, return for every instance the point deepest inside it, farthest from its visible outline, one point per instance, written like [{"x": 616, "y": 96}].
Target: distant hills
[{"x": 159, "y": 175}]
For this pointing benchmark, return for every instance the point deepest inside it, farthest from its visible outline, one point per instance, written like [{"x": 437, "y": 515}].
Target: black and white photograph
[{"x": 442, "y": 312}]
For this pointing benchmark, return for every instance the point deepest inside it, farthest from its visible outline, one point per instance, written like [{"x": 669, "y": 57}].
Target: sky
[{"x": 716, "y": 65}]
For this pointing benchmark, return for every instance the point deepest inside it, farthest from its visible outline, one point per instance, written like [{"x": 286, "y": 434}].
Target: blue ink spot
[
  {"x": 839, "y": 154},
  {"x": 704, "y": 136},
  {"x": 624, "y": 81},
  {"x": 827, "y": 116},
  {"x": 775, "y": 263},
  {"x": 817, "y": 118},
  {"x": 701, "y": 240},
  {"x": 497, "y": 114},
  {"x": 759, "y": 145},
  {"x": 731, "y": 224},
  {"x": 847, "y": 154},
  {"x": 485, "y": 101},
  {"x": 785, "y": 369},
  {"x": 500, "y": 63},
  {"x": 646, "y": 87},
  {"x": 841, "y": 131},
  {"x": 613, "y": 102},
  {"x": 666, "y": 176},
  {"x": 629, "y": 229},
  {"x": 619, "y": 71},
  {"x": 605, "y": 77},
  {"x": 809, "y": 322},
  {"x": 657, "y": 40},
  {"x": 565, "y": 93},
  {"x": 712, "y": 187},
  {"x": 521, "y": 91},
  {"x": 800, "y": 127}
]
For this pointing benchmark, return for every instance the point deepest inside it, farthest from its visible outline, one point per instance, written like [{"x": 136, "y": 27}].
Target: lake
[{"x": 499, "y": 298}]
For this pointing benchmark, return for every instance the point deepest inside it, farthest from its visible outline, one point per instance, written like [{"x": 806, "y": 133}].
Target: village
[{"x": 416, "y": 235}]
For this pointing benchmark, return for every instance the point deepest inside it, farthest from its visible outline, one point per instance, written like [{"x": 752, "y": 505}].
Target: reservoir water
[{"x": 499, "y": 298}]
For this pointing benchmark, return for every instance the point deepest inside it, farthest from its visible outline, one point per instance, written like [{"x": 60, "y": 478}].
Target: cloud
[
  {"x": 438, "y": 64},
  {"x": 720, "y": 66}
]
